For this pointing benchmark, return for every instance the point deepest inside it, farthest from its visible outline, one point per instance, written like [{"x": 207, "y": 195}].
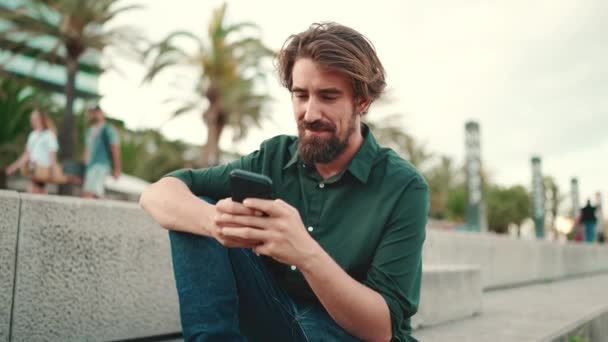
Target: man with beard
[{"x": 337, "y": 255}]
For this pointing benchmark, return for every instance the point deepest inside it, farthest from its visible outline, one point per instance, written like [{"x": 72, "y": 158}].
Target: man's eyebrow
[
  {"x": 331, "y": 91},
  {"x": 325, "y": 91}
]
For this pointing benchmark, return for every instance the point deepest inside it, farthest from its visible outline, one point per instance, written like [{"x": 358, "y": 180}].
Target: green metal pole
[
  {"x": 575, "y": 197},
  {"x": 538, "y": 198},
  {"x": 475, "y": 221}
]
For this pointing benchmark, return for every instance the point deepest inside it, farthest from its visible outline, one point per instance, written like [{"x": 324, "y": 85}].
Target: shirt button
[
  {"x": 321, "y": 185},
  {"x": 310, "y": 229},
  {"x": 292, "y": 267}
]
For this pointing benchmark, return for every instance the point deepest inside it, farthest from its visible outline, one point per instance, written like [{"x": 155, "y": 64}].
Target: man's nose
[{"x": 313, "y": 111}]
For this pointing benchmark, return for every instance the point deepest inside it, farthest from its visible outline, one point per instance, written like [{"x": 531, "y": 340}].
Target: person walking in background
[
  {"x": 39, "y": 159},
  {"x": 589, "y": 221},
  {"x": 101, "y": 155}
]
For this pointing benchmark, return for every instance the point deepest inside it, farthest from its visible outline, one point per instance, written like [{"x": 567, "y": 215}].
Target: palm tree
[
  {"x": 441, "y": 178},
  {"x": 553, "y": 198},
  {"x": 229, "y": 66},
  {"x": 76, "y": 27},
  {"x": 143, "y": 149},
  {"x": 389, "y": 133}
]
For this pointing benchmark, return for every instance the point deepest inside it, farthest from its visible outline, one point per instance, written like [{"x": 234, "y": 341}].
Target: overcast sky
[{"x": 532, "y": 73}]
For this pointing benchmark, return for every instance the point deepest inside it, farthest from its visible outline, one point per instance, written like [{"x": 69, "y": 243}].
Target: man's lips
[{"x": 318, "y": 131}]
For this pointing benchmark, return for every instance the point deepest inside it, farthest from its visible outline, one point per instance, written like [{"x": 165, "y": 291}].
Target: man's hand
[
  {"x": 280, "y": 235},
  {"x": 116, "y": 174},
  {"x": 10, "y": 170},
  {"x": 228, "y": 207}
]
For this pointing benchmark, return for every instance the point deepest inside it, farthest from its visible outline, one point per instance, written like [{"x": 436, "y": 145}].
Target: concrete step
[
  {"x": 449, "y": 292},
  {"x": 545, "y": 312},
  {"x": 507, "y": 262}
]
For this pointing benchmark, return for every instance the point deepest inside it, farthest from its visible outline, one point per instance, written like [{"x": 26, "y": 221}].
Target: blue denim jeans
[
  {"x": 590, "y": 231},
  {"x": 227, "y": 294}
]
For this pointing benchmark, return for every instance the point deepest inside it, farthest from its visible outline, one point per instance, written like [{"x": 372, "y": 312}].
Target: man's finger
[
  {"x": 238, "y": 243},
  {"x": 229, "y": 220},
  {"x": 227, "y": 205},
  {"x": 270, "y": 207},
  {"x": 262, "y": 249},
  {"x": 228, "y": 241},
  {"x": 245, "y": 233}
]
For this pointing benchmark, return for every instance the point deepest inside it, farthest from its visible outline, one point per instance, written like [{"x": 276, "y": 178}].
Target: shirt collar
[
  {"x": 293, "y": 150},
  {"x": 361, "y": 164}
]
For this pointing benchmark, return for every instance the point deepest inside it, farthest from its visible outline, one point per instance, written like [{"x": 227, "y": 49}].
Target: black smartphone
[{"x": 245, "y": 184}]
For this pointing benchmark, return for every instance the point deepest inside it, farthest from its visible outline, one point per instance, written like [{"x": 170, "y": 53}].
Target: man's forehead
[{"x": 311, "y": 76}]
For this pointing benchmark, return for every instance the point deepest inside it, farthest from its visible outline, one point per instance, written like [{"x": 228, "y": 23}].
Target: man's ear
[{"x": 362, "y": 105}]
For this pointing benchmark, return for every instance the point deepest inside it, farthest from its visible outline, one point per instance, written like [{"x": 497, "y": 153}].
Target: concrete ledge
[
  {"x": 448, "y": 293},
  {"x": 593, "y": 327},
  {"x": 508, "y": 262},
  {"x": 539, "y": 312},
  {"x": 9, "y": 227},
  {"x": 91, "y": 270},
  {"x": 100, "y": 270}
]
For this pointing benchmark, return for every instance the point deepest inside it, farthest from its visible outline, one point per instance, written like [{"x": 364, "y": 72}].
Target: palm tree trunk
[
  {"x": 3, "y": 179},
  {"x": 215, "y": 126},
  {"x": 211, "y": 151},
  {"x": 66, "y": 135},
  {"x": 204, "y": 162},
  {"x": 215, "y": 150}
]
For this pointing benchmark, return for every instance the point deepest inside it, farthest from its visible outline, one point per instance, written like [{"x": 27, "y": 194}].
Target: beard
[{"x": 319, "y": 149}]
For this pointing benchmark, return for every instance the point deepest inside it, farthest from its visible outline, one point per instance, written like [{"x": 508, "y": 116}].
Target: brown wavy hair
[{"x": 338, "y": 48}]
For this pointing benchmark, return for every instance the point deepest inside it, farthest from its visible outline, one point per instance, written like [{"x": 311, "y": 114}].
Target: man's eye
[
  {"x": 329, "y": 98},
  {"x": 301, "y": 96}
]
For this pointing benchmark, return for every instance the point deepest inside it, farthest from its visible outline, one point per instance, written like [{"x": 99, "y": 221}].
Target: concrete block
[
  {"x": 9, "y": 223},
  {"x": 91, "y": 270},
  {"x": 506, "y": 261},
  {"x": 592, "y": 327},
  {"x": 544, "y": 312},
  {"x": 449, "y": 292}
]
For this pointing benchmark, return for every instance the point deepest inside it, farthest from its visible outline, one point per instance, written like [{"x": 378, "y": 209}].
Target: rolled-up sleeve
[
  {"x": 214, "y": 182},
  {"x": 396, "y": 269}
]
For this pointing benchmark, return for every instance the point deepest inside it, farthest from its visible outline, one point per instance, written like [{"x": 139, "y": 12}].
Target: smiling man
[{"x": 337, "y": 255}]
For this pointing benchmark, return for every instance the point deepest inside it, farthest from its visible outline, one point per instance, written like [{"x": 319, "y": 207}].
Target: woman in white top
[{"x": 41, "y": 149}]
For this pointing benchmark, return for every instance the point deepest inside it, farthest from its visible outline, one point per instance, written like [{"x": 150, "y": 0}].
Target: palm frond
[
  {"x": 115, "y": 12},
  {"x": 166, "y": 54}
]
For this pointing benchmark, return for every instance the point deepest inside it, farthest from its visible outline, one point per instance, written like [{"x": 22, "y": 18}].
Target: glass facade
[{"x": 45, "y": 72}]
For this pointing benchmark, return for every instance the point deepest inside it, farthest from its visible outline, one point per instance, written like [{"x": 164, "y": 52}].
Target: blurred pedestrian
[
  {"x": 589, "y": 220},
  {"x": 101, "y": 154},
  {"x": 39, "y": 159}
]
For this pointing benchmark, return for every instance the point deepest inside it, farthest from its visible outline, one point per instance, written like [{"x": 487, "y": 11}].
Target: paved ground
[{"x": 529, "y": 313}]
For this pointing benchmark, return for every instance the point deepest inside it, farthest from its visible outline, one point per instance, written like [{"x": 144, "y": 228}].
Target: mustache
[{"x": 317, "y": 125}]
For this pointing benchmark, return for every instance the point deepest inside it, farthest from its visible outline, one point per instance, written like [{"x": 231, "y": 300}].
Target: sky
[{"x": 532, "y": 73}]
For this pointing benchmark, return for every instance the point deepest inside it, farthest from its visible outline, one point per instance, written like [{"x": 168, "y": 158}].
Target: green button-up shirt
[{"x": 370, "y": 218}]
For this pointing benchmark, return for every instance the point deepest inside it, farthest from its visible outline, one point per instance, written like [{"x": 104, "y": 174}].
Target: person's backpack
[{"x": 105, "y": 137}]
